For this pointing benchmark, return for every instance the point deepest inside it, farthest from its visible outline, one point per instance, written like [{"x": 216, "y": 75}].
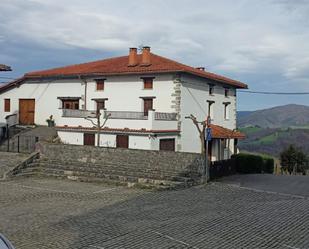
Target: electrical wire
[{"x": 276, "y": 93}]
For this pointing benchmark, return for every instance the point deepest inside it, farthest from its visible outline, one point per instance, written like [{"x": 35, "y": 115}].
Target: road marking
[
  {"x": 173, "y": 239},
  {"x": 98, "y": 247},
  {"x": 292, "y": 247},
  {"x": 267, "y": 191}
]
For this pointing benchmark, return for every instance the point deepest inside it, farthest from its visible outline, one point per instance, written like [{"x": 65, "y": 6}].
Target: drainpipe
[{"x": 85, "y": 92}]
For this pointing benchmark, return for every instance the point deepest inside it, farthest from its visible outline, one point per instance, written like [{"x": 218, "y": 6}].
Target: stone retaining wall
[{"x": 164, "y": 161}]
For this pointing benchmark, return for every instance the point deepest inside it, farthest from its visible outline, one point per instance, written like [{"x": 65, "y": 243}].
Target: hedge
[{"x": 253, "y": 164}]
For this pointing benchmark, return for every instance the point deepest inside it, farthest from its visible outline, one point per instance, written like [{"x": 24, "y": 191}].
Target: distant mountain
[
  {"x": 241, "y": 114},
  {"x": 276, "y": 117}
]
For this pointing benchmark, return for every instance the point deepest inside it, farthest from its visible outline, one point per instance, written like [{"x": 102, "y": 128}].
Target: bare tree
[
  {"x": 201, "y": 127},
  {"x": 98, "y": 124}
]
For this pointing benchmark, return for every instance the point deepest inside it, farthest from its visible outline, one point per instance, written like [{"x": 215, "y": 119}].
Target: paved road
[
  {"x": 46, "y": 213},
  {"x": 294, "y": 185}
]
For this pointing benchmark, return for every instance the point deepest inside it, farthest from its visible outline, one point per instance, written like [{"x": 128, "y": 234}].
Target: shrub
[
  {"x": 253, "y": 164},
  {"x": 268, "y": 165}
]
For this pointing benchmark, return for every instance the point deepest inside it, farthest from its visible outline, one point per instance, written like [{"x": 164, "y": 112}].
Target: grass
[{"x": 250, "y": 129}]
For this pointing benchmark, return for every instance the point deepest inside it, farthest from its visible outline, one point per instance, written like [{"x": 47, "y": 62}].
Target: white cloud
[{"x": 232, "y": 37}]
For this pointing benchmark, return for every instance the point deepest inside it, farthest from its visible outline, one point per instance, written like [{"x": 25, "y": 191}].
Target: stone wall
[{"x": 177, "y": 163}]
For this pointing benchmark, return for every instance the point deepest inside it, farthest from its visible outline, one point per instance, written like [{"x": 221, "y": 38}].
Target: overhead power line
[
  {"x": 9, "y": 78},
  {"x": 276, "y": 93}
]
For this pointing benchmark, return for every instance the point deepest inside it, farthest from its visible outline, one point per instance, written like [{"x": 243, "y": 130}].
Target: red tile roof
[
  {"x": 119, "y": 66},
  {"x": 221, "y": 132}
]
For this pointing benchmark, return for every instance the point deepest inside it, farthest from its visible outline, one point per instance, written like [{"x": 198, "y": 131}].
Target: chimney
[
  {"x": 146, "y": 56},
  {"x": 132, "y": 57},
  {"x": 201, "y": 68}
]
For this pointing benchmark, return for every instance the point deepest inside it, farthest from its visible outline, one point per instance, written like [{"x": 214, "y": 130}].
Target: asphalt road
[
  {"x": 285, "y": 184},
  {"x": 48, "y": 213}
]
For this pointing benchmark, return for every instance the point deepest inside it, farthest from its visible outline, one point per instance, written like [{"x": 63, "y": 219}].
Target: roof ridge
[{"x": 77, "y": 64}]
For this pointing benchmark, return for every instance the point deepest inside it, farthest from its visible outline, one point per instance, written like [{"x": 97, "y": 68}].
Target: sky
[{"x": 263, "y": 43}]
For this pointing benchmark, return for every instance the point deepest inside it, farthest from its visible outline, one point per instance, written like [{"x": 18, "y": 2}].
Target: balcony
[
  {"x": 70, "y": 113},
  {"x": 121, "y": 119}
]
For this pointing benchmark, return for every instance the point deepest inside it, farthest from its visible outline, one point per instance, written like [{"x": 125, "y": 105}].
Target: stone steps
[
  {"x": 92, "y": 170},
  {"x": 103, "y": 177}
]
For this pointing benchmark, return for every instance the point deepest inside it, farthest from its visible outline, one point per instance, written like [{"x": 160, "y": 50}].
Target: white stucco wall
[
  {"x": 194, "y": 96},
  {"x": 124, "y": 93}
]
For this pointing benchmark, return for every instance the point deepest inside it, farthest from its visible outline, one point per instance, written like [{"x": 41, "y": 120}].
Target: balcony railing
[
  {"x": 70, "y": 113},
  {"x": 126, "y": 115},
  {"x": 165, "y": 116}
]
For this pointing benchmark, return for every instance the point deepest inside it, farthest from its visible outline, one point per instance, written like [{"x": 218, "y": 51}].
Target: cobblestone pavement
[
  {"x": 9, "y": 160},
  {"x": 288, "y": 184},
  {"x": 47, "y": 213}
]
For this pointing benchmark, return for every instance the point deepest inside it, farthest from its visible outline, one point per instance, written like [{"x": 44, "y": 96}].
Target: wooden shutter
[
  {"x": 167, "y": 144},
  {"x": 148, "y": 105},
  {"x": 89, "y": 139},
  {"x": 122, "y": 141},
  {"x": 148, "y": 83},
  {"x": 7, "y": 105},
  {"x": 100, "y": 85},
  {"x": 100, "y": 105}
]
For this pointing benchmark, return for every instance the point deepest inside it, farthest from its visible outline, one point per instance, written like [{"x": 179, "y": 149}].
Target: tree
[
  {"x": 98, "y": 124},
  {"x": 293, "y": 160},
  {"x": 201, "y": 127}
]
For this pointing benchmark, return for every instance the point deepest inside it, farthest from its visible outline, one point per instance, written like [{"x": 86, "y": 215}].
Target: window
[
  {"x": 210, "y": 109},
  {"x": 70, "y": 104},
  {"x": 100, "y": 84},
  {"x": 226, "y": 110},
  {"x": 148, "y": 105},
  {"x": 226, "y": 92},
  {"x": 100, "y": 105},
  {"x": 148, "y": 83},
  {"x": 7, "y": 105},
  {"x": 211, "y": 89}
]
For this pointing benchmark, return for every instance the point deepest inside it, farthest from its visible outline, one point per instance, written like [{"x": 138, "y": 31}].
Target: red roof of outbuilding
[
  {"x": 221, "y": 132},
  {"x": 119, "y": 66}
]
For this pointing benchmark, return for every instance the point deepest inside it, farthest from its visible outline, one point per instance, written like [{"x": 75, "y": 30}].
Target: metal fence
[{"x": 19, "y": 144}]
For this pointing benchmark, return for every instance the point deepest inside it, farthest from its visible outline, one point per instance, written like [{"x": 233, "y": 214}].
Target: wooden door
[
  {"x": 167, "y": 144},
  {"x": 26, "y": 111},
  {"x": 148, "y": 105},
  {"x": 122, "y": 141},
  {"x": 89, "y": 139}
]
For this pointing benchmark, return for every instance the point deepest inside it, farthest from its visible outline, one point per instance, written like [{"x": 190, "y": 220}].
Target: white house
[{"x": 146, "y": 98}]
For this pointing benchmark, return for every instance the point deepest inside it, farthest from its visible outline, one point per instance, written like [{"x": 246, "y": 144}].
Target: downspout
[{"x": 85, "y": 91}]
